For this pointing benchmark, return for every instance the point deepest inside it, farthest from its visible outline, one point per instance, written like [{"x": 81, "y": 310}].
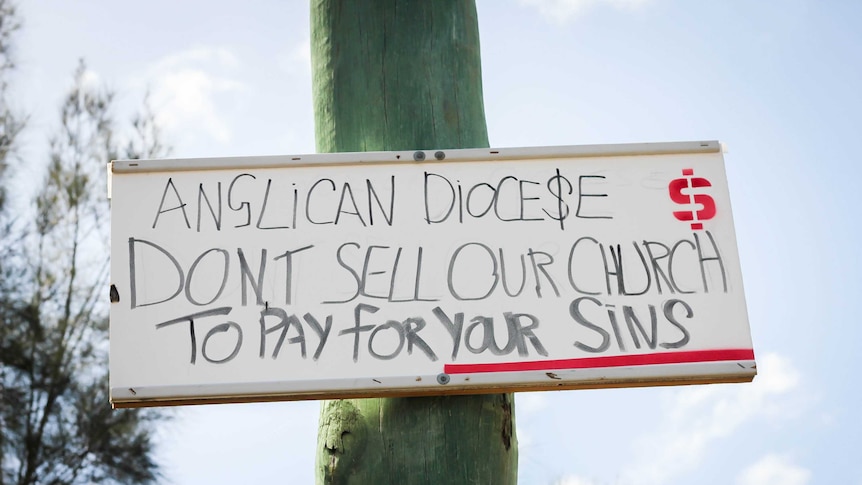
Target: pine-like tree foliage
[
  {"x": 11, "y": 122},
  {"x": 56, "y": 423}
]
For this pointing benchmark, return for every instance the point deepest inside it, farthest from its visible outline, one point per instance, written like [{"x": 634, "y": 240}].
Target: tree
[
  {"x": 10, "y": 126},
  {"x": 405, "y": 75},
  {"x": 56, "y": 423},
  {"x": 11, "y": 122}
]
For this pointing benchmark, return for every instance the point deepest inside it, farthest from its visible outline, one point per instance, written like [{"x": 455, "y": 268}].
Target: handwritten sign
[{"x": 402, "y": 273}]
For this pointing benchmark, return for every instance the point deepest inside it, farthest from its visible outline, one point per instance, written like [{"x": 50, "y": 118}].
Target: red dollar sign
[{"x": 676, "y": 187}]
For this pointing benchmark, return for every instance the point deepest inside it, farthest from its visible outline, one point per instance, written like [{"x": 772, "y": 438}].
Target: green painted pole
[{"x": 405, "y": 75}]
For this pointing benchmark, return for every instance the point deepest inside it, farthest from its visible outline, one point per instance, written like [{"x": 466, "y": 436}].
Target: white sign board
[{"x": 402, "y": 273}]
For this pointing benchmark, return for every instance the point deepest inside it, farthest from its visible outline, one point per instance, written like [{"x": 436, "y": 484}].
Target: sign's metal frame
[{"x": 452, "y": 155}]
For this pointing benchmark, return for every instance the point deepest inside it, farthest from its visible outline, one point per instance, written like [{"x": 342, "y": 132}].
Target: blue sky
[{"x": 776, "y": 81}]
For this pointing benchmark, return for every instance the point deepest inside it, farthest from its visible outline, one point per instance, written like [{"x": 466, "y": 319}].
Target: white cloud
[
  {"x": 208, "y": 55},
  {"x": 774, "y": 469},
  {"x": 575, "y": 480},
  {"x": 697, "y": 417},
  {"x": 525, "y": 438},
  {"x": 530, "y": 402},
  {"x": 297, "y": 59},
  {"x": 185, "y": 90},
  {"x": 560, "y": 11},
  {"x": 91, "y": 79},
  {"x": 302, "y": 52},
  {"x": 184, "y": 99}
]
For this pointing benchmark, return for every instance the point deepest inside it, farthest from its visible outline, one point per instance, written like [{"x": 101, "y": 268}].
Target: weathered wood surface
[{"x": 405, "y": 75}]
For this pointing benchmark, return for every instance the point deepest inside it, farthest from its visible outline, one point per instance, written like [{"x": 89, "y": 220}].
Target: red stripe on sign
[{"x": 600, "y": 362}]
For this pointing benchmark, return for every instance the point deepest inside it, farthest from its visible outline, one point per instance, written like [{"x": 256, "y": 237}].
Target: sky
[{"x": 776, "y": 81}]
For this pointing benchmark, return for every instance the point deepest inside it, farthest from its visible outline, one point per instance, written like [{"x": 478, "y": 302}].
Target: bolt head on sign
[{"x": 396, "y": 273}]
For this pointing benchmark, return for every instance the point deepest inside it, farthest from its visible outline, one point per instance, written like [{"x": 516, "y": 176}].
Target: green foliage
[
  {"x": 56, "y": 424},
  {"x": 11, "y": 123}
]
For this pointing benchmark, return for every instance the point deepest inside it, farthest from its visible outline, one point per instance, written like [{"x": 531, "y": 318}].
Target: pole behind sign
[{"x": 403, "y": 75}]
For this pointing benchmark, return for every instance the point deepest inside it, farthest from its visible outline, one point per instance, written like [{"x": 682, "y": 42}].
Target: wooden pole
[{"x": 405, "y": 75}]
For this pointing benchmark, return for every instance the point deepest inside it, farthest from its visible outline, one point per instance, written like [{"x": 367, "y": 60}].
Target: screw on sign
[{"x": 687, "y": 183}]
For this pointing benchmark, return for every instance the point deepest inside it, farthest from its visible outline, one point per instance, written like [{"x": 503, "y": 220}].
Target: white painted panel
[{"x": 364, "y": 274}]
